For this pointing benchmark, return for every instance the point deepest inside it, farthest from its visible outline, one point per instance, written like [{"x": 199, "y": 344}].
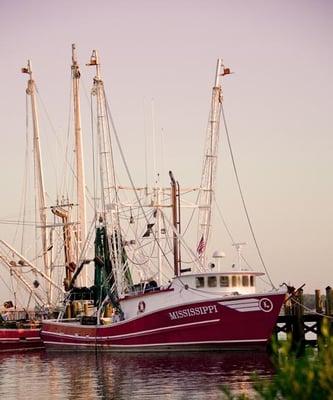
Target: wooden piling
[
  {"x": 329, "y": 301},
  {"x": 298, "y": 328},
  {"x": 287, "y": 306},
  {"x": 319, "y": 305}
]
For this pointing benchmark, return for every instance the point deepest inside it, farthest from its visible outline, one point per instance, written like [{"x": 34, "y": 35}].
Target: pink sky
[{"x": 278, "y": 104}]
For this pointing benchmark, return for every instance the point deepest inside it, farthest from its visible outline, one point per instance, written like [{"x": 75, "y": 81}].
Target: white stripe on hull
[
  {"x": 128, "y": 335},
  {"x": 169, "y": 346},
  {"x": 242, "y": 305}
]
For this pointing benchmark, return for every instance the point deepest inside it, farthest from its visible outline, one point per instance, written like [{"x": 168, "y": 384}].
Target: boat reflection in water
[{"x": 129, "y": 376}]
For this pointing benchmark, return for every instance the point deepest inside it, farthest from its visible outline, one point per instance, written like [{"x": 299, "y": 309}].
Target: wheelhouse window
[
  {"x": 224, "y": 281},
  {"x": 251, "y": 280},
  {"x": 234, "y": 280},
  {"x": 245, "y": 280},
  {"x": 212, "y": 281},
  {"x": 199, "y": 281}
]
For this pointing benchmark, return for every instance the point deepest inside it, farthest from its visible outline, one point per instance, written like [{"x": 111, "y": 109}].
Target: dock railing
[{"x": 304, "y": 323}]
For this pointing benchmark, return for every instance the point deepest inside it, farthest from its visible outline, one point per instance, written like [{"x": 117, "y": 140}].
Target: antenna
[{"x": 238, "y": 247}]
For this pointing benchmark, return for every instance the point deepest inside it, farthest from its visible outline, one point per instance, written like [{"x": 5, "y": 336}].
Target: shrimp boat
[
  {"x": 18, "y": 332},
  {"x": 197, "y": 308},
  {"x": 20, "y": 336},
  {"x": 20, "y": 326},
  {"x": 195, "y": 312}
]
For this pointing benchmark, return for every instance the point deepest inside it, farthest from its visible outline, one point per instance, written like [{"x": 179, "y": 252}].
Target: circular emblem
[
  {"x": 265, "y": 305},
  {"x": 141, "y": 306}
]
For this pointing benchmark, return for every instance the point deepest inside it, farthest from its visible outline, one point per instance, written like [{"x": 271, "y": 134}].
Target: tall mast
[
  {"x": 80, "y": 176},
  {"x": 109, "y": 195},
  {"x": 31, "y": 89},
  {"x": 158, "y": 233},
  {"x": 70, "y": 260},
  {"x": 106, "y": 162},
  {"x": 208, "y": 177},
  {"x": 175, "y": 221}
]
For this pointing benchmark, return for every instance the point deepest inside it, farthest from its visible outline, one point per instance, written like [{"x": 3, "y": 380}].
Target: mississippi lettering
[{"x": 190, "y": 312}]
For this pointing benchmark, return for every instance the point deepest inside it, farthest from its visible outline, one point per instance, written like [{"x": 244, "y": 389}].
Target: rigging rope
[
  {"x": 25, "y": 189},
  {"x": 53, "y": 130},
  {"x": 130, "y": 177},
  {"x": 309, "y": 309},
  {"x": 233, "y": 241},
  {"x": 23, "y": 205},
  {"x": 243, "y": 199},
  {"x": 66, "y": 150},
  {"x": 93, "y": 155}
]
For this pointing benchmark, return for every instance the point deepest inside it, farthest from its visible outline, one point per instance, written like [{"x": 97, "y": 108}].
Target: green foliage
[{"x": 309, "y": 377}]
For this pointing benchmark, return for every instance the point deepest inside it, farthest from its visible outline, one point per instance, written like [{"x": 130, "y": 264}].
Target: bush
[{"x": 309, "y": 377}]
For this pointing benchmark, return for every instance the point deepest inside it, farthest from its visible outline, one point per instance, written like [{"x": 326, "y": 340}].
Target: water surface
[{"x": 174, "y": 376}]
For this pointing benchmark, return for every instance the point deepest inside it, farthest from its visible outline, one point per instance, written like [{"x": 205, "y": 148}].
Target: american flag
[{"x": 201, "y": 246}]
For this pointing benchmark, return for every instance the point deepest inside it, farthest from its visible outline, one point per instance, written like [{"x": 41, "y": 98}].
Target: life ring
[{"x": 141, "y": 306}]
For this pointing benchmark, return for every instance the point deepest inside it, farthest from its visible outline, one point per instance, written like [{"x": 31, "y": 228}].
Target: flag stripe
[{"x": 201, "y": 246}]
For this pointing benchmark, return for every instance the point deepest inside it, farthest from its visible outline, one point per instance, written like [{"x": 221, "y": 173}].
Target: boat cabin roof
[
  {"x": 226, "y": 273},
  {"x": 241, "y": 281}
]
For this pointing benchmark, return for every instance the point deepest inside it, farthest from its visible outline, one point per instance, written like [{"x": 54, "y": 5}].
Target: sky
[{"x": 278, "y": 106}]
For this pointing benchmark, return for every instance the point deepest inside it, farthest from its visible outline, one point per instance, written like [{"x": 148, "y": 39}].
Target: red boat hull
[
  {"x": 20, "y": 339},
  {"x": 237, "y": 323}
]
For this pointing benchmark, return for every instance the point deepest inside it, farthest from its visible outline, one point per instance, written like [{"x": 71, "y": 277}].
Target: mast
[
  {"x": 31, "y": 89},
  {"x": 80, "y": 176},
  {"x": 158, "y": 234},
  {"x": 106, "y": 162},
  {"x": 175, "y": 221},
  {"x": 68, "y": 235},
  {"x": 208, "y": 177},
  {"x": 109, "y": 195}
]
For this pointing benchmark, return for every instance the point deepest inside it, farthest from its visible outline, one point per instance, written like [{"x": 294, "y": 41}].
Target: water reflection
[{"x": 89, "y": 376}]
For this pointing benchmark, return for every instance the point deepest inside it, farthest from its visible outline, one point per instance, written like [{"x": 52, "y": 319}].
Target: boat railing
[{"x": 23, "y": 315}]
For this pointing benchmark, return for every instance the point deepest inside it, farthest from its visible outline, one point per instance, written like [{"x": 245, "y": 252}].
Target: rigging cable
[
  {"x": 242, "y": 197},
  {"x": 65, "y": 185},
  {"x": 310, "y": 310},
  {"x": 233, "y": 241},
  {"x": 93, "y": 156},
  {"x": 146, "y": 143},
  {"x": 53, "y": 130},
  {"x": 25, "y": 179},
  {"x": 129, "y": 175}
]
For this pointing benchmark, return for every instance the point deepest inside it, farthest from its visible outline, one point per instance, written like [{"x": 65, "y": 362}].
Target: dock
[{"x": 303, "y": 324}]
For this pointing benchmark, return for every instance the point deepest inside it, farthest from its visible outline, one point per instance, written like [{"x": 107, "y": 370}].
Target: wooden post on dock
[
  {"x": 329, "y": 301},
  {"x": 319, "y": 306},
  {"x": 329, "y": 305},
  {"x": 287, "y": 306},
  {"x": 288, "y": 312},
  {"x": 298, "y": 331},
  {"x": 319, "y": 310}
]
